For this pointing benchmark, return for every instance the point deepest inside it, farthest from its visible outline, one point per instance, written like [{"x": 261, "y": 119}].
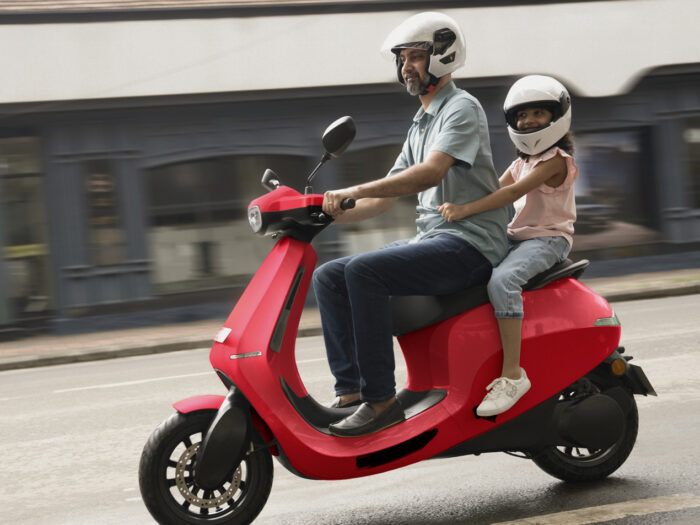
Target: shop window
[
  {"x": 106, "y": 240},
  {"x": 23, "y": 229},
  {"x": 199, "y": 236},
  {"x": 692, "y": 141},
  {"x": 397, "y": 223},
  {"x": 615, "y": 204}
]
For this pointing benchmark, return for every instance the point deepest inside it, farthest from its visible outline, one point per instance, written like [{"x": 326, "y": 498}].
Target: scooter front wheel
[{"x": 166, "y": 477}]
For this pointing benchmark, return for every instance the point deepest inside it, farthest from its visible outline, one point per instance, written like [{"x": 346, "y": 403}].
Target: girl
[{"x": 540, "y": 184}]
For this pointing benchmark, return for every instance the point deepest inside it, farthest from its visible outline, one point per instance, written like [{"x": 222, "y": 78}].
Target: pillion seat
[{"x": 413, "y": 312}]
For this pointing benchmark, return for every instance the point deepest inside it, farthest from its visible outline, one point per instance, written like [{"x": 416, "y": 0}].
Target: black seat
[{"x": 413, "y": 312}]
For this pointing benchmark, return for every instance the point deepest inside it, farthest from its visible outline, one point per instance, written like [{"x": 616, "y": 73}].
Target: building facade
[{"x": 132, "y": 141}]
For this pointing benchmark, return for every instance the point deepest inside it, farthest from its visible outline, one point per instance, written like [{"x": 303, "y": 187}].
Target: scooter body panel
[
  {"x": 192, "y": 404},
  {"x": 460, "y": 355}
]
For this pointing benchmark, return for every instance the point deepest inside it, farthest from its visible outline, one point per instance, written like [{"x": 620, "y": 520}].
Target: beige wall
[{"x": 597, "y": 48}]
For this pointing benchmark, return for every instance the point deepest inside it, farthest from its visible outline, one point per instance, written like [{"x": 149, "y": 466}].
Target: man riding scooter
[{"x": 446, "y": 157}]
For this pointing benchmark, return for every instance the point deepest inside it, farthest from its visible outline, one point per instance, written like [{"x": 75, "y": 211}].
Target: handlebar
[{"x": 345, "y": 204}]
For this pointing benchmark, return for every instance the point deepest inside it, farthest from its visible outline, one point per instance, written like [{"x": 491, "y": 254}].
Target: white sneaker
[{"x": 503, "y": 394}]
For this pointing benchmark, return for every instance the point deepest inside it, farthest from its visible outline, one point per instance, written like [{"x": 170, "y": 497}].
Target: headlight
[{"x": 255, "y": 218}]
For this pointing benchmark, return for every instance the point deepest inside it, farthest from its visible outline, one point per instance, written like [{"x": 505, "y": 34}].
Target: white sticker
[{"x": 222, "y": 335}]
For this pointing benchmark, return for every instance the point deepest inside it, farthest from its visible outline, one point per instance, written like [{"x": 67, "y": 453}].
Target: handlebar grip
[{"x": 347, "y": 204}]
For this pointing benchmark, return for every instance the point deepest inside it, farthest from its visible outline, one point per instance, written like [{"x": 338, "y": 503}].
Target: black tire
[
  {"x": 580, "y": 464},
  {"x": 167, "y": 487}
]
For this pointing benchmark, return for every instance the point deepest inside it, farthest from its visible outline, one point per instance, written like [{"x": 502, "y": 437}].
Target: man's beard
[{"x": 417, "y": 88}]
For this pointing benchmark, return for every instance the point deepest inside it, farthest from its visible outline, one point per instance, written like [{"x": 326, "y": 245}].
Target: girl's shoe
[{"x": 503, "y": 394}]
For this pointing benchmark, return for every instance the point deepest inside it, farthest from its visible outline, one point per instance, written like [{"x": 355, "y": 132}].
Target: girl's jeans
[
  {"x": 524, "y": 260},
  {"x": 353, "y": 299}
]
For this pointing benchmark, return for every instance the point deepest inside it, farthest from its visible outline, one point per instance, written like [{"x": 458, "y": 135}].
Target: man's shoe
[
  {"x": 503, "y": 394},
  {"x": 336, "y": 403},
  {"x": 366, "y": 421}
]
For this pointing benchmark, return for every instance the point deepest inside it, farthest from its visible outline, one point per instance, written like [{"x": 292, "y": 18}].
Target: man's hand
[{"x": 332, "y": 200}]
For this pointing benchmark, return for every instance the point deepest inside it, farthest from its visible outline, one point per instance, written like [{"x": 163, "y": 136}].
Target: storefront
[
  {"x": 130, "y": 149},
  {"x": 107, "y": 210}
]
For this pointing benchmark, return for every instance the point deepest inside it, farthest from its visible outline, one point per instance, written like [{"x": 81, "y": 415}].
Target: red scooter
[{"x": 210, "y": 462}]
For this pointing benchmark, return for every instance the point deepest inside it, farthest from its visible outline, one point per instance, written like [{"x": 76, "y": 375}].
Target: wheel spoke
[
  {"x": 172, "y": 463},
  {"x": 171, "y": 482},
  {"x": 187, "y": 442}
]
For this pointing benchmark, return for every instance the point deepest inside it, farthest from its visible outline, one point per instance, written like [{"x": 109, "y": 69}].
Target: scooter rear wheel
[
  {"x": 574, "y": 464},
  {"x": 167, "y": 483}
]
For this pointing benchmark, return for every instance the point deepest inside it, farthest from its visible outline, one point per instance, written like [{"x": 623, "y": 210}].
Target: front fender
[{"x": 192, "y": 404}]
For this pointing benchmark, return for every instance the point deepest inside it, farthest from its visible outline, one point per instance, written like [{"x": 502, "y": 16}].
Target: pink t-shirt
[{"x": 545, "y": 211}]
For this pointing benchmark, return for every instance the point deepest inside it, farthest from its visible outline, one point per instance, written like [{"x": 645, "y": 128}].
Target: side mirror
[
  {"x": 270, "y": 180},
  {"x": 338, "y": 136}
]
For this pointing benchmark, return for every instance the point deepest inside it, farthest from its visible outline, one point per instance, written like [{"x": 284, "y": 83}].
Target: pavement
[{"x": 617, "y": 284}]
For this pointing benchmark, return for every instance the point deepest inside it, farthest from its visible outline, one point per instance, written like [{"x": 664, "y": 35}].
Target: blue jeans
[
  {"x": 353, "y": 298},
  {"x": 524, "y": 260}
]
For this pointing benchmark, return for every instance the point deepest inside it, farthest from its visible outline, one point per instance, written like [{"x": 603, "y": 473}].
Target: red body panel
[
  {"x": 285, "y": 198},
  {"x": 460, "y": 355},
  {"x": 191, "y": 404}
]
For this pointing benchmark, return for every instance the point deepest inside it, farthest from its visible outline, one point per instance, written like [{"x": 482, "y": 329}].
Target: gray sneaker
[{"x": 503, "y": 393}]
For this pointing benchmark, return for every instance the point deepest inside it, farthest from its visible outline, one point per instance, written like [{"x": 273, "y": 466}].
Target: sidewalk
[{"x": 46, "y": 350}]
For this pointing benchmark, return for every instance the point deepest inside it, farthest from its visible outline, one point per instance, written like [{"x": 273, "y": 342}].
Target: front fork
[{"x": 226, "y": 442}]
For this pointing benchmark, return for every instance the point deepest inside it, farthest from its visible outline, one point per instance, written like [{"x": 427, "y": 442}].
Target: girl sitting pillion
[{"x": 540, "y": 185}]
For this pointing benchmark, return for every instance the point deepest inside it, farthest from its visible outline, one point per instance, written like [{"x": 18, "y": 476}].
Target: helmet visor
[{"x": 412, "y": 45}]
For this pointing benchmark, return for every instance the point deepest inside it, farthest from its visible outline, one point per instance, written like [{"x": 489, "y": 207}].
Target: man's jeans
[{"x": 353, "y": 298}]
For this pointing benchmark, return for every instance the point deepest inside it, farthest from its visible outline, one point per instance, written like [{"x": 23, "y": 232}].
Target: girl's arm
[{"x": 551, "y": 172}]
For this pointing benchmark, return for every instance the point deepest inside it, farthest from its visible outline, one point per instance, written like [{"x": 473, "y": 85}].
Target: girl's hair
[{"x": 565, "y": 143}]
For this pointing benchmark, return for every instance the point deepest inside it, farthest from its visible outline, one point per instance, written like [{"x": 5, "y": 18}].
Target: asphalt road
[{"x": 72, "y": 435}]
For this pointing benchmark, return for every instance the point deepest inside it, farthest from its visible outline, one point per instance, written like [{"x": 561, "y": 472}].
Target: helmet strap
[{"x": 431, "y": 85}]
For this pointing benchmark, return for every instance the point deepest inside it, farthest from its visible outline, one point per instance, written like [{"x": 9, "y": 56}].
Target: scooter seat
[{"x": 413, "y": 312}]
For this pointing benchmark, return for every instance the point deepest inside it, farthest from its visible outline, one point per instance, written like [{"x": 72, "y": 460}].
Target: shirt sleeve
[
  {"x": 403, "y": 161},
  {"x": 459, "y": 133}
]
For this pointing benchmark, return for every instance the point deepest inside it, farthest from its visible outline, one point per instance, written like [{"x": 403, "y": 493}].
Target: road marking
[
  {"x": 151, "y": 380},
  {"x": 614, "y": 511},
  {"x": 129, "y": 383},
  {"x": 312, "y": 360}
]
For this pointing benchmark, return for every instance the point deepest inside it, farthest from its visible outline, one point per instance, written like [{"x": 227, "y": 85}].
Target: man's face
[{"x": 413, "y": 71}]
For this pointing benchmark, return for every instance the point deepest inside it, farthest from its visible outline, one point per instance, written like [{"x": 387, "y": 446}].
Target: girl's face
[{"x": 532, "y": 119}]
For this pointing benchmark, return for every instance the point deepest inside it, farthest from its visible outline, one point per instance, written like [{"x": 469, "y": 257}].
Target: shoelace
[{"x": 498, "y": 386}]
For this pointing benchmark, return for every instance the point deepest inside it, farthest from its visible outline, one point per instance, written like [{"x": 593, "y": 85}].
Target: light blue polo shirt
[{"x": 455, "y": 124}]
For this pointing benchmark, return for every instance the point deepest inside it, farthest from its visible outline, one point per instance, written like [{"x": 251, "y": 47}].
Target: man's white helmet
[
  {"x": 436, "y": 32},
  {"x": 538, "y": 91}
]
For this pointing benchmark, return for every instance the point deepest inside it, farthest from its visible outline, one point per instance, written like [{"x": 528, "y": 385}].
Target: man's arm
[
  {"x": 407, "y": 182},
  {"x": 366, "y": 209}
]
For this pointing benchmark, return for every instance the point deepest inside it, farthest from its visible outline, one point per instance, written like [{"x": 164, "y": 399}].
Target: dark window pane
[
  {"x": 105, "y": 232},
  {"x": 199, "y": 235}
]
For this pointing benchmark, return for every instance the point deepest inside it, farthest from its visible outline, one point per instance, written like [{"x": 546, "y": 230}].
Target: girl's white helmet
[
  {"x": 538, "y": 91},
  {"x": 435, "y": 32}
]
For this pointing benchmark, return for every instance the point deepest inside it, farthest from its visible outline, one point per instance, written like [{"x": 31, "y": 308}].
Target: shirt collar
[{"x": 445, "y": 92}]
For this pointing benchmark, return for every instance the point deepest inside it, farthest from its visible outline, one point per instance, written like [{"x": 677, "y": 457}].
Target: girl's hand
[{"x": 450, "y": 212}]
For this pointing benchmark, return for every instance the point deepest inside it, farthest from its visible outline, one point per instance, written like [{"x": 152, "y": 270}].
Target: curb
[
  {"x": 18, "y": 363},
  {"x": 307, "y": 331}
]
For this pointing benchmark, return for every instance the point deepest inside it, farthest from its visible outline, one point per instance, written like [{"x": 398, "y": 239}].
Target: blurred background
[{"x": 133, "y": 135}]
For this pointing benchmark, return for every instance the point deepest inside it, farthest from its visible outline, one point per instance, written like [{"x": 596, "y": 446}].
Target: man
[{"x": 446, "y": 158}]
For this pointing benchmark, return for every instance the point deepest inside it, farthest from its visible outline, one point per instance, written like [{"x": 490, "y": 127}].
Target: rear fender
[{"x": 634, "y": 378}]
